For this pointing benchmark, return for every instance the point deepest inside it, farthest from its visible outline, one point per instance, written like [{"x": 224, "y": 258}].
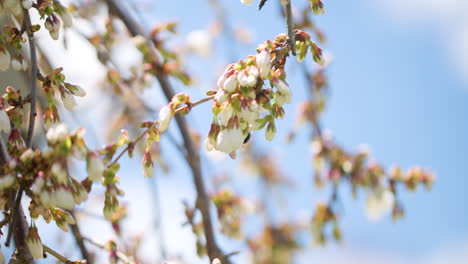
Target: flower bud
[
  {"x": 34, "y": 243},
  {"x": 27, "y": 155},
  {"x": 229, "y": 140},
  {"x": 165, "y": 116},
  {"x": 221, "y": 96},
  {"x": 62, "y": 198},
  {"x": 69, "y": 101},
  {"x": 230, "y": 84},
  {"x": 6, "y": 181},
  {"x": 67, "y": 18},
  {"x": 76, "y": 90},
  {"x": 148, "y": 167},
  {"x": 27, "y": 4},
  {"x": 16, "y": 65},
  {"x": 247, "y": 2},
  {"x": 263, "y": 60},
  {"x": 59, "y": 173},
  {"x": 95, "y": 167},
  {"x": 270, "y": 131},
  {"x": 57, "y": 133}
]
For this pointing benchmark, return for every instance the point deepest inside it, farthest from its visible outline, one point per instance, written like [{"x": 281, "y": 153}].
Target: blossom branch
[
  {"x": 178, "y": 110},
  {"x": 118, "y": 254},
  {"x": 193, "y": 158},
  {"x": 79, "y": 240},
  {"x": 32, "y": 114},
  {"x": 59, "y": 256}
]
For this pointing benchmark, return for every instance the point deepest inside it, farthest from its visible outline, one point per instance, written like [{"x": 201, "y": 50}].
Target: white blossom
[
  {"x": 6, "y": 181},
  {"x": 216, "y": 261},
  {"x": 5, "y": 60},
  {"x": 263, "y": 60},
  {"x": 282, "y": 87},
  {"x": 221, "y": 96},
  {"x": 59, "y": 172},
  {"x": 210, "y": 144},
  {"x": 80, "y": 196},
  {"x": 46, "y": 198},
  {"x": 148, "y": 171},
  {"x": 230, "y": 84},
  {"x": 67, "y": 18},
  {"x": 165, "y": 116},
  {"x": 200, "y": 42},
  {"x": 4, "y": 122},
  {"x": 35, "y": 247},
  {"x": 57, "y": 133},
  {"x": 250, "y": 113},
  {"x": 27, "y": 4},
  {"x": 226, "y": 114},
  {"x": 37, "y": 186},
  {"x": 24, "y": 65},
  {"x": 16, "y": 65},
  {"x": 229, "y": 140},
  {"x": 247, "y": 2},
  {"x": 69, "y": 101},
  {"x": 248, "y": 77},
  {"x": 62, "y": 198},
  {"x": 95, "y": 167},
  {"x": 78, "y": 91},
  {"x": 27, "y": 155},
  {"x": 379, "y": 203}
]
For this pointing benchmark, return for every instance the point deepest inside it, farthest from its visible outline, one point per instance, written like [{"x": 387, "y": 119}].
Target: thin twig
[
  {"x": 290, "y": 23},
  {"x": 119, "y": 254},
  {"x": 79, "y": 240},
  {"x": 58, "y": 255},
  {"x": 178, "y": 110},
  {"x": 193, "y": 158}
]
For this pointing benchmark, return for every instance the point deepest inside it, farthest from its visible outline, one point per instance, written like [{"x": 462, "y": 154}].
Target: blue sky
[{"x": 398, "y": 84}]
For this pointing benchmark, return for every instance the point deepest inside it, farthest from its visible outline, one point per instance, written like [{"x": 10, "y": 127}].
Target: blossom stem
[
  {"x": 178, "y": 110},
  {"x": 124, "y": 258},
  {"x": 56, "y": 254}
]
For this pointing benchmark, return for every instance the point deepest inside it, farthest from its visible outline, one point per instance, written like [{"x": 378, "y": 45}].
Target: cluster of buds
[
  {"x": 53, "y": 84},
  {"x": 230, "y": 209},
  {"x": 52, "y": 24},
  {"x": 34, "y": 243},
  {"x": 51, "y": 10},
  {"x": 242, "y": 104},
  {"x": 276, "y": 244},
  {"x": 324, "y": 215}
]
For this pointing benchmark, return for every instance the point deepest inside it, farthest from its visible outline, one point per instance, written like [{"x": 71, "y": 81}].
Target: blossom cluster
[{"x": 242, "y": 104}]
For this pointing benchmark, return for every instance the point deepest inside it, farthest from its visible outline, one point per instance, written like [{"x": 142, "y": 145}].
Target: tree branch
[
  {"x": 59, "y": 256},
  {"x": 32, "y": 116},
  {"x": 290, "y": 24},
  {"x": 79, "y": 240},
  {"x": 193, "y": 158}
]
